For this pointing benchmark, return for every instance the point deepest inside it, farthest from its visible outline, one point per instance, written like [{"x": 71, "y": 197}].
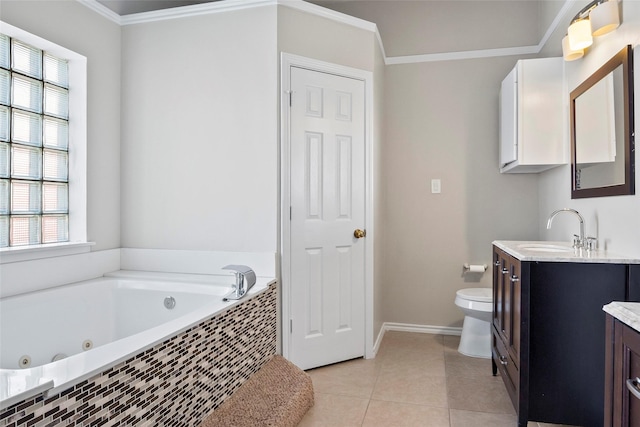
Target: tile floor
[{"x": 415, "y": 380}]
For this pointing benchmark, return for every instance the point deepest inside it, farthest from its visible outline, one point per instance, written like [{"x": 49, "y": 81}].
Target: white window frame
[{"x": 77, "y": 155}]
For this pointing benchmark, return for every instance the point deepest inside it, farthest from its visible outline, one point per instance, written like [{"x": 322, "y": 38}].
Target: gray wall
[
  {"x": 200, "y": 133},
  {"x": 307, "y": 35},
  {"x": 442, "y": 122},
  {"x": 436, "y": 26},
  {"x": 75, "y": 27},
  {"x": 378, "y": 186}
]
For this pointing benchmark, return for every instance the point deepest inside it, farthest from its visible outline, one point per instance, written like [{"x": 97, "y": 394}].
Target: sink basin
[{"x": 545, "y": 247}]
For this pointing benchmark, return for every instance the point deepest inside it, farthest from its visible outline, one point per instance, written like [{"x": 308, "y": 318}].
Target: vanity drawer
[{"x": 507, "y": 367}]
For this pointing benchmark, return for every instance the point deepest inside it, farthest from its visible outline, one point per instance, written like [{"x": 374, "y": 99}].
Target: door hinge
[
  {"x": 290, "y": 326},
  {"x": 290, "y": 213},
  {"x": 290, "y": 92}
]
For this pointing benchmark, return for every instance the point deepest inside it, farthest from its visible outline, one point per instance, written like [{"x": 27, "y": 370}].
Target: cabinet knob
[
  {"x": 503, "y": 360},
  {"x": 497, "y": 263},
  {"x": 505, "y": 271},
  {"x": 514, "y": 278}
]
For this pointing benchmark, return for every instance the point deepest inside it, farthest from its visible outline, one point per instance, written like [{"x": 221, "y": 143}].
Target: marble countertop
[
  {"x": 559, "y": 252},
  {"x": 626, "y": 312}
]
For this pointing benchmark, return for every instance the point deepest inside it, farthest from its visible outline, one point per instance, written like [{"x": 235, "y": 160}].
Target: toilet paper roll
[{"x": 476, "y": 268}]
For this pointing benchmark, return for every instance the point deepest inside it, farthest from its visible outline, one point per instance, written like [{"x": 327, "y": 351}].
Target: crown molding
[
  {"x": 485, "y": 53},
  {"x": 566, "y": 7},
  {"x": 225, "y": 6},
  {"x": 194, "y": 10},
  {"x": 339, "y": 17},
  {"x": 323, "y": 12},
  {"x": 469, "y": 54},
  {"x": 230, "y": 5},
  {"x": 101, "y": 9}
]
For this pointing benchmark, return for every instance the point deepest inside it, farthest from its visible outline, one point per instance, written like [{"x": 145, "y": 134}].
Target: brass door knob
[{"x": 359, "y": 234}]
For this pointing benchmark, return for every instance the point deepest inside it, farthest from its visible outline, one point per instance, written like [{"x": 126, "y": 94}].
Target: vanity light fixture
[
  {"x": 579, "y": 33},
  {"x": 605, "y": 17},
  {"x": 595, "y": 19},
  {"x": 570, "y": 54}
]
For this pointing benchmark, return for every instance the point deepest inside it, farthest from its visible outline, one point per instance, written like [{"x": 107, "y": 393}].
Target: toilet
[{"x": 477, "y": 306}]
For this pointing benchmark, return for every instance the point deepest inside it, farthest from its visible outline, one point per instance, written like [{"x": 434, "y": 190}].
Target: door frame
[{"x": 286, "y": 62}]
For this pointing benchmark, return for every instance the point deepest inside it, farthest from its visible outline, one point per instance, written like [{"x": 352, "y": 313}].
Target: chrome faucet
[
  {"x": 245, "y": 279},
  {"x": 578, "y": 241}
]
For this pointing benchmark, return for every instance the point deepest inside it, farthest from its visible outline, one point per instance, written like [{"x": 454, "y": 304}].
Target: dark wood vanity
[
  {"x": 622, "y": 379},
  {"x": 548, "y": 330}
]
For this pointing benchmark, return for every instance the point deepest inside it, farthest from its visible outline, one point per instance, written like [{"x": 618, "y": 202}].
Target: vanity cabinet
[
  {"x": 531, "y": 117},
  {"x": 548, "y": 331},
  {"x": 507, "y": 319},
  {"x": 622, "y": 388}
]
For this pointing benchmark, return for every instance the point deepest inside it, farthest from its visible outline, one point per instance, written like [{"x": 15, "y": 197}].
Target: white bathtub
[{"x": 115, "y": 317}]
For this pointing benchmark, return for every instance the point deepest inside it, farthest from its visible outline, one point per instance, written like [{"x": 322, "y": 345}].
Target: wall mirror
[{"x": 602, "y": 131}]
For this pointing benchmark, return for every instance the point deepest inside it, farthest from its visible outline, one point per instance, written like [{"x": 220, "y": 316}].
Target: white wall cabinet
[{"x": 531, "y": 117}]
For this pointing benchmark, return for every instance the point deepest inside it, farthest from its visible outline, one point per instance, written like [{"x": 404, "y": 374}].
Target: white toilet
[{"x": 477, "y": 305}]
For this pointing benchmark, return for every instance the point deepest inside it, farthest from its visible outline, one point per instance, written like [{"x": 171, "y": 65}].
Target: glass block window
[{"x": 34, "y": 145}]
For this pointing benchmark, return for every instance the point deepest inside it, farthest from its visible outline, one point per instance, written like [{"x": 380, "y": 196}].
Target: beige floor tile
[
  {"x": 353, "y": 378},
  {"x": 332, "y": 411},
  {"x": 425, "y": 362},
  {"x": 461, "y": 418},
  {"x": 394, "y": 414},
  {"x": 459, "y": 365},
  {"x": 451, "y": 343},
  {"x": 415, "y": 387},
  {"x": 479, "y": 394},
  {"x": 410, "y": 341},
  {"x": 415, "y": 380},
  {"x": 368, "y": 366}
]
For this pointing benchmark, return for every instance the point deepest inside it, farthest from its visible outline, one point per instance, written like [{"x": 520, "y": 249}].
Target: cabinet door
[
  {"x": 627, "y": 377},
  {"x": 515, "y": 307},
  {"x": 506, "y": 325},
  {"x": 507, "y": 301},
  {"x": 498, "y": 292},
  {"x": 509, "y": 118},
  {"x": 502, "y": 295}
]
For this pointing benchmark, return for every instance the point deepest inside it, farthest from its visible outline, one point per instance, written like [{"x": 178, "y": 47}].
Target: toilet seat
[{"x": 476, "y": 294}]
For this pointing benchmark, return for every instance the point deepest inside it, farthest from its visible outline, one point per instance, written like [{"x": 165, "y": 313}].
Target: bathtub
[{"x": 53, "y": 339}]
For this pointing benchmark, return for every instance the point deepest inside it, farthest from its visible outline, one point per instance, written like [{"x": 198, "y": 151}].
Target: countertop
[
  {"x": 559, "y": 252},
  {"x": 626, "y": 312}
]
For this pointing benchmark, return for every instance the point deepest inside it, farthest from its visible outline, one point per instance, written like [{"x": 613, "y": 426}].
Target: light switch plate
[{"x": 435, "y": 186}]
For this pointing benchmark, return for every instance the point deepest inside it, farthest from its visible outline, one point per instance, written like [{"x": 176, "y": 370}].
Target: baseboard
[
  {"x": 408, "y": 327},
  {"x": 423, "y": 329}
]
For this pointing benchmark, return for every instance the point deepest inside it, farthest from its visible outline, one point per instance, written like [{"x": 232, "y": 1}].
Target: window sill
[{"x": 29, "y": 253}]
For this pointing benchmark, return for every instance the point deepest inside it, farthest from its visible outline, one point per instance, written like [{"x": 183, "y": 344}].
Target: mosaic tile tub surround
[{"x": 175, "y": 383}]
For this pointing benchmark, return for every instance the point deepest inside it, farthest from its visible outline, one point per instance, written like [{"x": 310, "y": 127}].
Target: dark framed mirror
[{"x": 602, "y": 131}]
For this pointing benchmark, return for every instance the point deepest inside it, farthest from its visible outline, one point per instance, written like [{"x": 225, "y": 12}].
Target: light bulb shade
[
  {"x": 605, "y": 18},
  {"x": 580, "y": 34},
  {"x": 569, "y": 54}
]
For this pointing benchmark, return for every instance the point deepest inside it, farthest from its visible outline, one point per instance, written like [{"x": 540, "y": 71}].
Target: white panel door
[{"x": 327, "y": 175}]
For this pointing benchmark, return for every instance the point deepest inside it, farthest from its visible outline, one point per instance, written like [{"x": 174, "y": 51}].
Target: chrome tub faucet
[{"x": 245, "y": 279}]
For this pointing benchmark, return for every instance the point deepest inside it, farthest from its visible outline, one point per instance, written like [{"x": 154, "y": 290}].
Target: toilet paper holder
[{"x": 474, "y": 268}]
